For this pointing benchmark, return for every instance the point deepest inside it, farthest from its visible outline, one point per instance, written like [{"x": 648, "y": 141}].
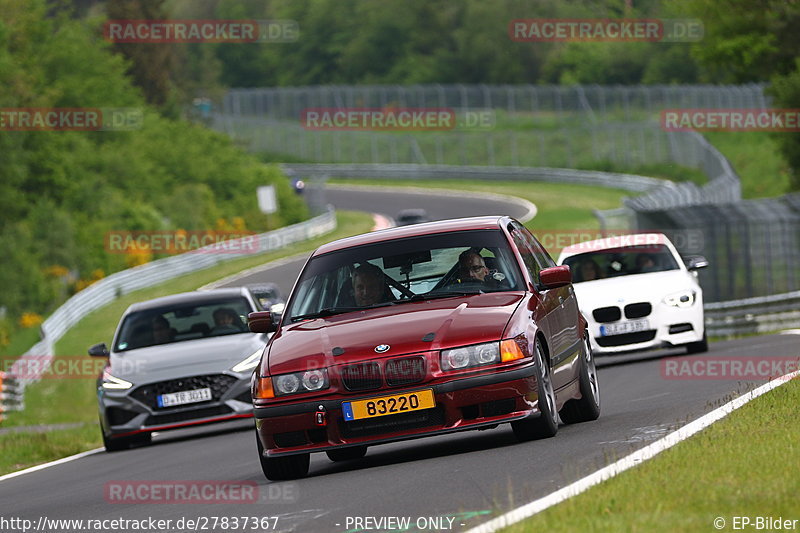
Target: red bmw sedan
[{"x": 420, "y": 331}]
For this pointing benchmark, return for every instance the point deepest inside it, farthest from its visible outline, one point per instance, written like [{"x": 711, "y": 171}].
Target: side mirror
[
  {"x": 261, "y": 322},
  {"x": 695, "y": 262},
  {"x": 554, "y": 277},
  {"x": 99, "y": 350},
  {"x": 277, "y": 311}
]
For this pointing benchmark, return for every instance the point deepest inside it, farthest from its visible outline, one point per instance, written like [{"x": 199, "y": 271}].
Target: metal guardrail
[
  {"x": 112, "y": 287},
  {"x": 724, "y": 185},
  {"x": 12, "y": 397},
  {"x": 629, "y": 182},
  {"x": 753, "y": 315}
]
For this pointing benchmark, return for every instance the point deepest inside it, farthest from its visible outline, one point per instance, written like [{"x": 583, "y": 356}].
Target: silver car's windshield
[
  {"x": 183, "y": 322},
  {"x": 617, "y": 262},
  {"x": 405, "y": 270}
]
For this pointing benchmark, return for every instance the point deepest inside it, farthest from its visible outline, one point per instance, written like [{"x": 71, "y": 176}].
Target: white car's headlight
[
  {"x": 250, "y": 363},
  {"x": 467, "y": 356},
  {"x": 113, "y": 383},
  {"x": 308, "y": 381},
  {"x": 681, "y": 299}
]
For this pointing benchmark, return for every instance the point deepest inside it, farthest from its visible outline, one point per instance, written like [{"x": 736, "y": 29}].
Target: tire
[
  {"x": 587, "y": 408},
  {"x": 347, "y": 454},
  {"x": 546, "y": 424},
  {"x": 123, "y": 443},
  {"x": 699, "y": 346},
  {"x": 279, "y": 468}
]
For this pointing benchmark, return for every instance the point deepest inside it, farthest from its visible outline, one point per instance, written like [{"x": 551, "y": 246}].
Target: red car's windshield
[{"x": 405, "y": 270}]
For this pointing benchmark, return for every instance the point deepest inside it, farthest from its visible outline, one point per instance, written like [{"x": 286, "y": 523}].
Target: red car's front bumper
[{"x": 461, "y": 404}]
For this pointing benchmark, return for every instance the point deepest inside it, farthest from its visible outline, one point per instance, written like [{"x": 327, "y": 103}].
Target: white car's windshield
[{"x": 617, "y": 262}]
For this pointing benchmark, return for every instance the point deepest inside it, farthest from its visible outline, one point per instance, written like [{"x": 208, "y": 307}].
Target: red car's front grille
[
  {"x": 362, "y": 376},
  {"x": 405, "y": 371}
]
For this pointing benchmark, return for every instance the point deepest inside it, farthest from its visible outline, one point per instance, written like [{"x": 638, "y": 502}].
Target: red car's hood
[{"x": 453, "y": 321}]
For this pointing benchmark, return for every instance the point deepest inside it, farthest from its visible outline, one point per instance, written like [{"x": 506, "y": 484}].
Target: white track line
[
  {"x": 638, "y": 457},
  {"x": 381, "y": 222},
  {"x": 790, "y": 332},
  {"x": 51, "y": 463}
]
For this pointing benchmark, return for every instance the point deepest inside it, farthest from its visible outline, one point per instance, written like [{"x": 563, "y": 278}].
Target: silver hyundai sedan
[{"x": 178, "y": 361}]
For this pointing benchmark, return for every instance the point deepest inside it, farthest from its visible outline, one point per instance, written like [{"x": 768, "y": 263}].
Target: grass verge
[
  {"x": 55, "y": 401},
  {"x": 743, "y": 465},
  {"x": 755, "y": 156}
]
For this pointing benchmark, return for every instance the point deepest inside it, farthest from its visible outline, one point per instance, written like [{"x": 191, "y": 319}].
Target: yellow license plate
[{"x": 389, "y": 405}]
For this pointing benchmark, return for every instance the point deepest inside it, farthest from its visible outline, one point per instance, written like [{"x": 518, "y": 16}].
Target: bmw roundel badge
[{"x": 381, "y": 348}]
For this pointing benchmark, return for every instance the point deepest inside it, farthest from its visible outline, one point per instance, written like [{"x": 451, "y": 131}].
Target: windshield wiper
[
  {"x": 439, "y": 294},
  {"x": 329, "y": 311}
]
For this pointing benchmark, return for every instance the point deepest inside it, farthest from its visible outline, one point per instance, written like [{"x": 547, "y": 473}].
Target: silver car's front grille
[{"x": 218, "y": 383}]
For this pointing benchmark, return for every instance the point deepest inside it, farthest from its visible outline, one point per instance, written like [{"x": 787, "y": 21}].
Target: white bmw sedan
[{"x": 637, "y": 293}]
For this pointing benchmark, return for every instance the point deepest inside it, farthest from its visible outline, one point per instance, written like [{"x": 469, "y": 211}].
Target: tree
[{"x": 150, "y": 64}]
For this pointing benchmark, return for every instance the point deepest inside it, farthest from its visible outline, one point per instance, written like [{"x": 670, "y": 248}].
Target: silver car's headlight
[
  {"x": 113, "y": 383},
  {"x": 681, "y": 299},
  {"x": 467, "y": 356},
  {"x": 308, "y": 381},
  {"x": 250, "y": 363}
]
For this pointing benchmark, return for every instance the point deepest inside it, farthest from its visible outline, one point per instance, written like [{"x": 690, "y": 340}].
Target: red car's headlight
[
  {"x": 295, "y": 383},
  {"x": 480, "y": 354},
  {"x": 467, "y": 356}
]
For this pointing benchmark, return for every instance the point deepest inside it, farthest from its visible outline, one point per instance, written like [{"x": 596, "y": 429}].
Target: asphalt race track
[{"x": 466, "y": 477}]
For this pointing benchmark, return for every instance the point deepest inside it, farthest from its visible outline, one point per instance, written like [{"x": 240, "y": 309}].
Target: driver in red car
[{"x": 369, "y": 286}]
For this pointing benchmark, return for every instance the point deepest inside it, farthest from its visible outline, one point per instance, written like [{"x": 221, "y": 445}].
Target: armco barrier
[
  {"x": 11, "y": 394},
  {"x": 629, "y": 182},
  {"x": 753, "y": 315},
  {"x": 112, "y": 287}
]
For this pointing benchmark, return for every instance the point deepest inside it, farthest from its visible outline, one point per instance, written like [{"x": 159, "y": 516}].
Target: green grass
[
  {"x": 756, "y": 158},
  {"x": 21, "y": 340},
  {"x": 54, "y": 401},
  {"x": 667, "y": 171},
  {"x": 743, "y": 465}
]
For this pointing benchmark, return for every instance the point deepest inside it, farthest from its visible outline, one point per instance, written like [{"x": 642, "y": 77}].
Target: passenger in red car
[{"x": 472, "y": 266}]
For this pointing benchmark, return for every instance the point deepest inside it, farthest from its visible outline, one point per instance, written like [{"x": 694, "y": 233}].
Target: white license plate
[
  {"x": 184, "y": 397},
  {"x": 631, "y": 326}
]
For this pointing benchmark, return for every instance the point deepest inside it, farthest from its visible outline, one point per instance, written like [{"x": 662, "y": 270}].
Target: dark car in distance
[
  {"x": 474, "y": 325},
  {"x": 406, "y": 217}
]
